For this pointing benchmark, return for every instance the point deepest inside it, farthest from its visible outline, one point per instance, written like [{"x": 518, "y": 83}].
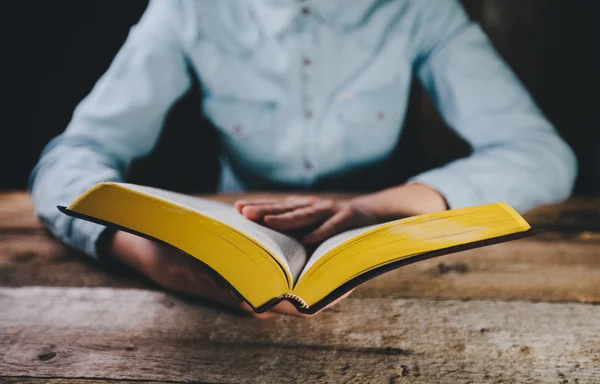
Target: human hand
[
  {"x": 328, "y": 216},
  {"x": 331, "y": 217},
  {"x": 180, "y": 272}
]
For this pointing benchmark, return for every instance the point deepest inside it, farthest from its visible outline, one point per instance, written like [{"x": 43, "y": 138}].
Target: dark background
[{"x": 53, "y": 52}]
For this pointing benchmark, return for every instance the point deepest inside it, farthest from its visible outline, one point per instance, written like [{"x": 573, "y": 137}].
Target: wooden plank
[
  {"x": 16, "y": 211},
  {"x": 521, "y": 270},
  {"x": 141, "y": 335},
  {"x": 168, "y": 359},
  {"x": 552, "y": 271},
  {"x": 581, "y": 214},
  {"x": 37, "y": 259}
]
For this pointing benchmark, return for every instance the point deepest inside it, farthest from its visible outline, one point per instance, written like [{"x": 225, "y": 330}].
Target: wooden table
[{"x": 520, "y": 312}]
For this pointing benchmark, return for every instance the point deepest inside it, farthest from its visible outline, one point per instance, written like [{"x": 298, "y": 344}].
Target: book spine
[
  {"x": 291, "y": 296},
  {"x": 298, "y": 302}
]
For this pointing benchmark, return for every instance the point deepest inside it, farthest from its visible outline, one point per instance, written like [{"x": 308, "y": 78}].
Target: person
[{"x": 302, "y": 93}]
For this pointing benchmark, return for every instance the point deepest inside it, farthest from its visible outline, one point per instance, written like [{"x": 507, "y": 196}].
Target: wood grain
[
  {"x": 521, "y": 270},
  {"x": 16, "y": 212},
  {"x": 581, "y": 214},
  {"x": 37, "y": 259},
  {"x": 135, "y": 334}
]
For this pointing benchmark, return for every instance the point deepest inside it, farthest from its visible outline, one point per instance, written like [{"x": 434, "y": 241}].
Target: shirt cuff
[
  {"x": 93, "y": 239},
  {"x": 458, "y": 192},
  {"x": 89, "y": 237}
]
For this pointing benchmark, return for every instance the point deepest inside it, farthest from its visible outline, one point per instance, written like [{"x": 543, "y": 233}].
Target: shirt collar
[{"x": 277, "y": 15}]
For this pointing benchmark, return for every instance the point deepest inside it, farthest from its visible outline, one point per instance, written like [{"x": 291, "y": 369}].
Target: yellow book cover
[{"x": 265, "y": 266}]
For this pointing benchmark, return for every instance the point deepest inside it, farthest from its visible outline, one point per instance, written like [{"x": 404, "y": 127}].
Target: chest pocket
[
  {"x": 371, "y": 121},
  {"x": 249, "y": 128},
  {"x": 241, "y": 97}
]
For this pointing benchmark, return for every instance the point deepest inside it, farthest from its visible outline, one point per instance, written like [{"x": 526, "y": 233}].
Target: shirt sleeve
[
  {"x": 517, "y": 155},
  {"x": 118, "y": 121}
]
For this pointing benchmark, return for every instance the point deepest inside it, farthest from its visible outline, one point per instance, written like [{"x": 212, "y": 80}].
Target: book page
[
  {"x": 286, "y": 249},
  {"x": 353, "y": 253},
  {"x": 333, "y": 242}
]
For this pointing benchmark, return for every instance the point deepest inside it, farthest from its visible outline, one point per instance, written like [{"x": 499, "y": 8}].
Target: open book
[{"x": 265, "y": 266}]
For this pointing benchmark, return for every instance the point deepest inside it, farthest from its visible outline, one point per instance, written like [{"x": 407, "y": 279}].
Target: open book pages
[
  {"x": 288, "y": 251},
  {"x": 333, "y": 242},
  {"x": 264, "y": 265}
]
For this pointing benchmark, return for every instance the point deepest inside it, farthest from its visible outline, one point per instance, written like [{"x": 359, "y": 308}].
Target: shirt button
[
  {"x": 380, "y": 116},
  {"x": 237, "y": 129},
  {"x": 307, "y": 165},
  {"x": 306, "y": 62},
  {"x": 308, "y": 114},
  {"x": 305, "y": 10}
]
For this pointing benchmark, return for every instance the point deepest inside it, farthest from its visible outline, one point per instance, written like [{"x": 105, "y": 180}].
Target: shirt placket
[{"x": 308, "y": 89}]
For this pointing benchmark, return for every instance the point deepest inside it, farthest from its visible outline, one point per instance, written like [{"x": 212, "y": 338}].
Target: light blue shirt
[{"x": 302, "y": 91}]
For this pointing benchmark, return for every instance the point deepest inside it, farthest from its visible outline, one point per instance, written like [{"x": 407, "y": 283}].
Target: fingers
[
  {"x": 345, "y": 295},
  {"x": 283, "y": 308},
  {"x": 301, "y": 217},
  {"x": 262, "y": 316},
  {"x": 180, "y": 272},
  {"x": 297, "y": 212},
  {"x": 240, "y": 204},
  {"x": 256, "y": 209},
  {"x": 291, "y": 213},
  {"x": 337, "y": 223},
  {"x": 258, "y": 212},
  {"x": 201, "y": 283},
  {"x": 287, "y": 309}
]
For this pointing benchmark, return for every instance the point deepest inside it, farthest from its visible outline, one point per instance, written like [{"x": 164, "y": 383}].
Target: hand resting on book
[{"x": 325, "y": 218}]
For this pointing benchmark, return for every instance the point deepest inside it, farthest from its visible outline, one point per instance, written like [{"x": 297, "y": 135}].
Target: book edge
[
  {"x": 297, "y": 302},
  {"x": 125, "y": 187},
  {"x": 387, "y": 267},
  {"x": 378, "y": 227}
]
